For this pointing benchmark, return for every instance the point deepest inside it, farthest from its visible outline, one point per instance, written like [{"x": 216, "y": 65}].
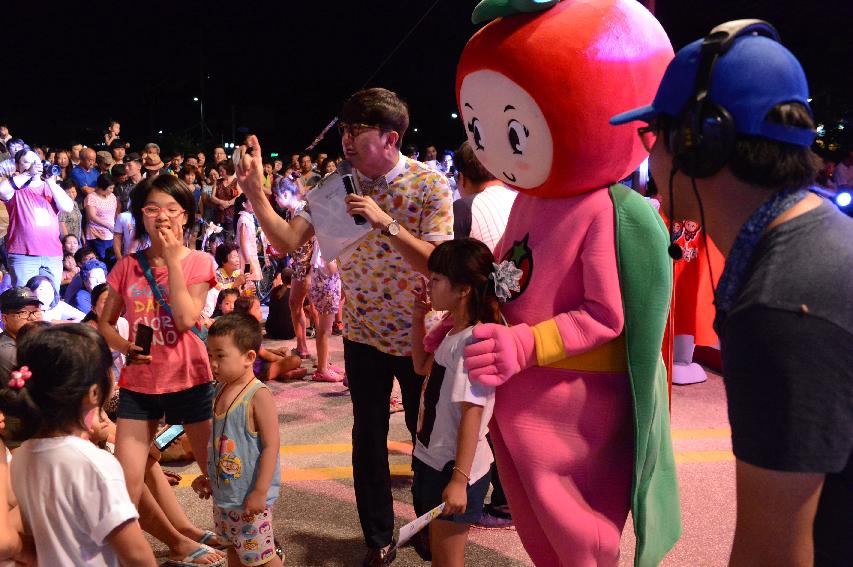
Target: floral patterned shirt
[{"x": 377, "y": 280}]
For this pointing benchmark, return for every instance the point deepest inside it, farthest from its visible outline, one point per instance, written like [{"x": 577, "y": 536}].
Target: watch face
[{"x": 394, "y": 228}]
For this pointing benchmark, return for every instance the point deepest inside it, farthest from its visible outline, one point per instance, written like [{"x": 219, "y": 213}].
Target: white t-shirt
[
  {"x": 127, "y": 228},
  {"x": 441, "y": 410},
  {"x": 490, "y": 213},
  {"x": 63, "y": 312},
  {"x": 72, "y": 496}
]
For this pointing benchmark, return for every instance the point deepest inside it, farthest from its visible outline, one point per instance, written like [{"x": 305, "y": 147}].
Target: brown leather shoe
[{"x": 380, "y": 557}]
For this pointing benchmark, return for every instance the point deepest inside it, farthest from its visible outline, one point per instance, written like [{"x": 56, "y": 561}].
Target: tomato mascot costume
[{"x": 581, "y": 422}]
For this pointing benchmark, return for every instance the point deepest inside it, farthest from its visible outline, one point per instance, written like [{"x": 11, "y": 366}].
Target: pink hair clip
[{"x": 19, "y": 377}]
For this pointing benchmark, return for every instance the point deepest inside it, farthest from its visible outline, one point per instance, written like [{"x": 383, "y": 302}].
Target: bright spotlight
[
  {"x": 195, "y": 98},
  {"x": 454, "y": 115},
  {"x": 843, "y": 199},
  {"x": 159, "y": 131}
]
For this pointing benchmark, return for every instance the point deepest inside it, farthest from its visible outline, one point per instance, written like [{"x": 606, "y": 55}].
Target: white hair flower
[{"x": 507, "y": 279}]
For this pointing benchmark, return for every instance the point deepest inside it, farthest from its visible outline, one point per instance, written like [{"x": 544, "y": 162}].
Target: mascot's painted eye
[
  {"x": 518, "y": 135},
  {"x": 476, "y": 133}
]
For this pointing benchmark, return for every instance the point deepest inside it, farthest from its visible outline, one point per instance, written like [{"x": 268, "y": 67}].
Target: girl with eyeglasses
[{"x": 174, "y": 379}]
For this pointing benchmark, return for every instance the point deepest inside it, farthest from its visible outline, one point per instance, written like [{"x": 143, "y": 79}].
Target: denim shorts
[
  {"x": 429, "y": 483},
  {"x": 187, "y": 406}
]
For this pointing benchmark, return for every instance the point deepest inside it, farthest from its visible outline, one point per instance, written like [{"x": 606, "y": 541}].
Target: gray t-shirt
[
  {"x": 787, "y": 349},
  {"x": 8, "y": 356}
]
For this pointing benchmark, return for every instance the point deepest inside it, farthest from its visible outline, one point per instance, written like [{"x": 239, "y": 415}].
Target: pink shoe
[{"x": 327, "y": 375}]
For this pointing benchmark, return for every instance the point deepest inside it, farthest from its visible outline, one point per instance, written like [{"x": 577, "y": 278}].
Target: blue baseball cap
[{"x": 748, "y": 80}]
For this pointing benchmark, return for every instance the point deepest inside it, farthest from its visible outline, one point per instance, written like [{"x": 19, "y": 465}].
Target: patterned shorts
[
  {"x": 251, "y": 536},
  {"x": 325, "y": 292}
]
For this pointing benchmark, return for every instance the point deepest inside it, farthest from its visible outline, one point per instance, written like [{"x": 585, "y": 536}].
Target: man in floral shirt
[{"x": 410, "y": 208}]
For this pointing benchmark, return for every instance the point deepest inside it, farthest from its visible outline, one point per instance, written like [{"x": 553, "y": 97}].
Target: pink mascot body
[{"x": 581, "y": 424}]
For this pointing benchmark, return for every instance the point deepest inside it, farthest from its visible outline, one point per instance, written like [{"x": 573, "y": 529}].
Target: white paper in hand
[
  {"x": 416, "y": 525},
  {"x": 336, "y": 230}
]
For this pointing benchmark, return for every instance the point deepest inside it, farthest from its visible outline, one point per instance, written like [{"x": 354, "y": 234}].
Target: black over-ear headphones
[{"x": 703, "y": 136}]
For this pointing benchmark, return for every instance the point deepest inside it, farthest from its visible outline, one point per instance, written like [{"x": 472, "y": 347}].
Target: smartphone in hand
[
  {"x": 144, "y": 336},
  {"x": 168, "y": 436}
]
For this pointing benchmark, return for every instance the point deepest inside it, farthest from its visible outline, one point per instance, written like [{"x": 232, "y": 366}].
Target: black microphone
[{"x": 351, "y": 185}]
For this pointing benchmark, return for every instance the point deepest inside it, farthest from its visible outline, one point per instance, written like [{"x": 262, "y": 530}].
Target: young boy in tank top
[{"x": 243, "y": 469}]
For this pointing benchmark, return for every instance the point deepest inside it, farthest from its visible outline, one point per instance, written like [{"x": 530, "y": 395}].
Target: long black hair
[
  {"x": 65, "y": 361},
  {"x": 467, "y": 261}
]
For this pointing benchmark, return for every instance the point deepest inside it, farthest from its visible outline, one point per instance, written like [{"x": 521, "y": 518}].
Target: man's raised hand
[{"x": 250, "y": 169}]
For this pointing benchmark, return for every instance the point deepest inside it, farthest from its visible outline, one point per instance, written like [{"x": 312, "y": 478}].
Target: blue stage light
[{"x": 843, "y": 199}]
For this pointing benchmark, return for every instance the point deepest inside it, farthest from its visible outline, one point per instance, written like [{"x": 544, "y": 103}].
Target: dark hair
[
  {"x": 34, "y": 282},
  {"x": 65, "y": 361},
  {"x": 222, "y": 252},
  {"x": 244, "y": 303},
  {"x": 67, "y": 236},
  {"x": 119, "y": 169},
  {"x": 187, "y": 169},
  {"x": 168, "y": 184},
  {"x": 104, "y": 181},
  {"x": 82, "y": 252},
  {"x": 467, "y": 164},
  {"x": 467, "y": 261},
  {"x": 227, "y": 165},
  {"x": 379, "y": 107},
  {"x": 322, "y": 167},
  {"x": 68, "y": 183},
  {"x": 243, "y": 329},
  {"x": 97, "y": 291},
  {"x": 223, "y": 293},
  {"x": 772, "y": 164},
  {"x": 31, "y": 328}
]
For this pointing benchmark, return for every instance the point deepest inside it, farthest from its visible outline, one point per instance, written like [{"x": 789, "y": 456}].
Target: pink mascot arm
[{"x": 501, "y": 352}]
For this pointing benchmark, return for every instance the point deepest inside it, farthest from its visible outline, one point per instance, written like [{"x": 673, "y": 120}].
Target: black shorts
[
  {"x": 187, "y": 406},
  {"x": 429, "y": 484}
]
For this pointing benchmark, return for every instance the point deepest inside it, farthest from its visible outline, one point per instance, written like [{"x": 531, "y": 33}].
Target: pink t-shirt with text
[
  {"x": 179, "y": 360},
  {"x": 33, "y": 222}
]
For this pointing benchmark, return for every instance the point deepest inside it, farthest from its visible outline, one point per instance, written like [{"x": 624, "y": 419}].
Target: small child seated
[
  {"x": 271, "y": 364},
  {"x": 243, "y": 471}
]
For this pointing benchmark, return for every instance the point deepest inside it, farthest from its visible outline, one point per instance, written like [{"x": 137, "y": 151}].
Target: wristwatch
[{"x": 393, "y": 228}]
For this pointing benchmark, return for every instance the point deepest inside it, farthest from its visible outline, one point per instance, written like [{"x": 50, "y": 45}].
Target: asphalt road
[{"x": 316, "y": 518}]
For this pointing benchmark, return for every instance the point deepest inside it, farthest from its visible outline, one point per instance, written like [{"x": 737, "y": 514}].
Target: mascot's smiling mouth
[{"x": 509, "y": 176}]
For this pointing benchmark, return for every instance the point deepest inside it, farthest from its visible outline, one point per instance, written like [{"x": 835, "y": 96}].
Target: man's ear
[{"x": 392, "y": 139}]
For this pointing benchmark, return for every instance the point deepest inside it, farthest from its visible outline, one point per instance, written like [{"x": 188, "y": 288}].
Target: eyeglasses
[
  {"x": 29, "y": 315},
  {"x": 154, "y": 210},
  {"x": 649, "y": 135},
  {"x": 356, "y": 129}
]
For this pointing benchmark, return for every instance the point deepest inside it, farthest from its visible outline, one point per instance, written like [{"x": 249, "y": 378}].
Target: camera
[{"x": 50, "y": 169}]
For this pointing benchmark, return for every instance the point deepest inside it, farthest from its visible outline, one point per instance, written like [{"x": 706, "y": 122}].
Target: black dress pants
[{"x": 371, "y": 374}]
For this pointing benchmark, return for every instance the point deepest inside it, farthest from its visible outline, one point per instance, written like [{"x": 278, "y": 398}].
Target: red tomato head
[{"x": 536, "y": 92}]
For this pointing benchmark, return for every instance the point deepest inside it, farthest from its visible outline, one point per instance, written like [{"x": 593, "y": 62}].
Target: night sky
[{"x": 284, "y": 68}]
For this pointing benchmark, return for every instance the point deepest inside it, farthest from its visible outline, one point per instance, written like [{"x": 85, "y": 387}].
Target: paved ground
[{"x": 316, "y": 518}]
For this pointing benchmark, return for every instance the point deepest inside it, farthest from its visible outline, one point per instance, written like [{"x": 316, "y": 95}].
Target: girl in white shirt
[
  {"x": 452, "y": 457},
  {"x": 54, "y": 308},
  {"x": 72, "y": 495}
]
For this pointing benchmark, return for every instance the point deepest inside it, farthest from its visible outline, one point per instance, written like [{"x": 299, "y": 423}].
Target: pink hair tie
[{"x": 19, "y": 377}]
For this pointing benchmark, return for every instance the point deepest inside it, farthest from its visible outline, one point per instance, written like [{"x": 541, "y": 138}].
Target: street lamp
[{"x": 201, "y": 115}]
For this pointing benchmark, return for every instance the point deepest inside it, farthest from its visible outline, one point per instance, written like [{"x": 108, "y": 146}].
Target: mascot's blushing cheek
[{"x": 508, "y": 132}]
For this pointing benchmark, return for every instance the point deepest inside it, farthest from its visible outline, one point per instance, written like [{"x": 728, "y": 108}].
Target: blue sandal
[{"x": 189, "y": 560}]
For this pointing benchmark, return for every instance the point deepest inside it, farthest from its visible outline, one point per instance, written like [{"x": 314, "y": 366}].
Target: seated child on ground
[{"x": 243, "y": 472}]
